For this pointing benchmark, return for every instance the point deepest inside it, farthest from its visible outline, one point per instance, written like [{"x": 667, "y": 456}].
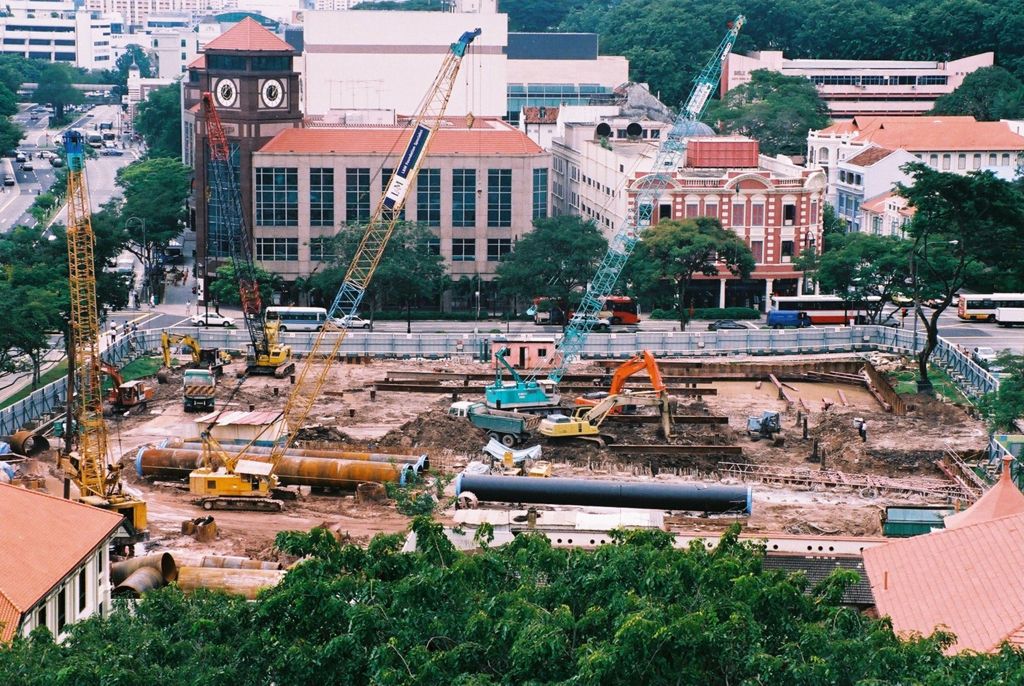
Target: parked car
[
  {"x": 723, "y": 324},
  {"x": 352, "y": 321},
  {"x": 27, "y": 167},
  {"x": 902, "y": 300},
  {"x": 211, "y": 319},
  {"x": 112, "y": 152},
  {"x": 19, "y": 156},
  {"x": 599, "y": 323},
  {"x": 56, "y": 161},
  {"x": 984, "y": 356},
  {"x": 8, "y": 180}
]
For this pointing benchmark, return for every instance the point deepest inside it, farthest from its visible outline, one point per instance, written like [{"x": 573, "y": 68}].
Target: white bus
[
  {"x": 982, "y": 306},
  {"x": 822, "y": 309},
  {"x": 297, "y": 318}
]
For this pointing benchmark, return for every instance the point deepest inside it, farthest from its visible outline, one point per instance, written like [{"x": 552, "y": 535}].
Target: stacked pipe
[
  {"x": 655, "y": 496},
  {"x": 238, "y": 575},
  {"x": 136, "y": 575},
  {"x": 423, "y": 460},
  {"x": 338, "y": 470}
]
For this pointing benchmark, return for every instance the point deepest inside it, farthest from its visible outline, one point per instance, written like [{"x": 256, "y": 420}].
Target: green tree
[
  {"x": 10, "y": 135},
  {"x": 408, "y": 271},
  {"x": 1003, "y": 408},
  {"x": 964, "y": 226},
  {"x": 155, "y": 190},
  {"x": 672, "y": 252},
  {"x": 55, "y": 89},
  {"x": 557, "y": 259},
  {"x": 775, "y": 109},
  {"x": 159, "y": 121},
  {"x": 224, "y": 288},
  {"x": 133, "y": 54},
  {"x": 537, "y": 15},
  {"x": 989, "y": 94},
  {"x": 8, "y": 101}
]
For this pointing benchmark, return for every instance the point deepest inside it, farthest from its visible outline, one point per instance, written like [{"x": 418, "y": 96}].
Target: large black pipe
[{"x": 648, "y": 496}]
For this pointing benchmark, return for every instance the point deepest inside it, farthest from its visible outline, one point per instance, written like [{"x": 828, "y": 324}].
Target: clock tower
[{"x": 255, "y": 86}]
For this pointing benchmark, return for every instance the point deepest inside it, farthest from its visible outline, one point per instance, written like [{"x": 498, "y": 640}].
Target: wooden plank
[
  {"x": 655, "y": 419},
  {"x": 842, "y": 397},
  {"x": 648, "y": 448}
]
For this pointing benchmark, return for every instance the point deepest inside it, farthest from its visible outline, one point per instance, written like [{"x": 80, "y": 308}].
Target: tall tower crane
[
  {"x": 235, "y": 482},
  {"x": 268, "y": 356},
  {"x": 528, "y": 392},
  {"x": 98, "y": 483}
]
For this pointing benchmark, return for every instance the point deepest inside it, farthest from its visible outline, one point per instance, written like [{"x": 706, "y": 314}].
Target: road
[{"x": 101, "y": 172}]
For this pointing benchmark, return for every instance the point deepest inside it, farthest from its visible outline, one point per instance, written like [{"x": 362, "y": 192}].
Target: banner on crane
[{"x": 399, "y": 184}]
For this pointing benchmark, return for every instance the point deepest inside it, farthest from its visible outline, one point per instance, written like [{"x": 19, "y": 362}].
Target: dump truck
[
  {"x": 198, "y": 389},
  {"x": 511, "y": 428}
]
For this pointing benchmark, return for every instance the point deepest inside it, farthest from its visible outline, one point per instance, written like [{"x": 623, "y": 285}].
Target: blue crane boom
[{"x": 530, "y": 392}]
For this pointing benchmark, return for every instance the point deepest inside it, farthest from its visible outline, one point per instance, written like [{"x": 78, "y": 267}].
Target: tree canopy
[
  {"x": 672, "y": 252},
  {"x": 224, "y": 288},
  {"x": 159, "y": 121},
  {"x": 635, "y": 611},
  {"x": 55, "y": 89},
  {"x": 965, "y": 227},
  {"x": 988, "y": 94},
  {"x": 133, "y": 54},
  {"x": 155, "y": 190},
  {"x": 775, "y": 109},
  {"x": 557, "y": 259}
]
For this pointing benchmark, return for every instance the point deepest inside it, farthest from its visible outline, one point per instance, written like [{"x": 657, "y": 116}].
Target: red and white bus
[
  {"x": 983, "y": 306},
  {"x": 621, "y": 309},
  {"x": 617, "y": 309},
  {"x": 825, "y": 309}
]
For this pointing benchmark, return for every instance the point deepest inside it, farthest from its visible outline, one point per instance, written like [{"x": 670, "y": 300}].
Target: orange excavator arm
[
  {"x": 644, "y": 360},
  {"x": 651, "y": 365}
]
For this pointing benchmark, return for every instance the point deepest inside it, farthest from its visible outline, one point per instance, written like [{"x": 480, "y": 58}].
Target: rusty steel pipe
[
  {"x": 292, "y": 470},
  {"x": 27, "y": 443},
  {"x": 161, "y": 562},
  {"x": 189, "y": 559},
  {"x": 178, "y": 444},
  {"x": 243, "y": 582},
  {"x": 141, "y": 580}
]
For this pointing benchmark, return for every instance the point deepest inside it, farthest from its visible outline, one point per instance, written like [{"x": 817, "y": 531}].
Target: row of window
[
  {"x": 903, "y": 80},
  {"x": 81, "y": 587},
  {"x": 850, "y": 177},
  {"x": 277, "y": 196},
  {"x": 994, "y": 159},
  {"x": 322, "y": 249}
]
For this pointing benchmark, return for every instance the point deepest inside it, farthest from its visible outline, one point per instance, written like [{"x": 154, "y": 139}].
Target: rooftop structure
[{"x": 854, "y": 88}]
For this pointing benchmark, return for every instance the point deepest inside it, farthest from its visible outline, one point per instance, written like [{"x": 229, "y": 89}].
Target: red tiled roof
[
  {"x": 965, "y": 580},
  {"x": 532, "y": 115},
  {"x": 870, "y": 156},
  {"x": 1002, "y": 500},
  {"x": 488, "y": 137},
  {"x": 42, "y": 538},
  {"x": 876, "y": 203},
  {"x": 198, "y": 63},
  {"x": 247, "y": 36},
  {"x": 927, "y": 133}
]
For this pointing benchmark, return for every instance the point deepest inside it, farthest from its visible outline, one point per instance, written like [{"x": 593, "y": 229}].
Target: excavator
[
  {"x": 212, "y": 358},
  {"x": 643, "y": 361},
  {"x": 585, "y": 422},
  {"x": 125, "y": 395}
]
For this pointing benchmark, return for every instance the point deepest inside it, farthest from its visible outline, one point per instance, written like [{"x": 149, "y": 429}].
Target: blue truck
[{"x": 782, "y": 319}]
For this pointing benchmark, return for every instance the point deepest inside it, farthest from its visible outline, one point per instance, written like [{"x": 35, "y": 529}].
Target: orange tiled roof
[
  {"x": 198, "y": 63},
  {"x": 927, "y": 133},
  {"x": 870, "y": 156},
  {"x": 488, "y": 137},
  {"x": 877, "y": 203},
  {"x": 42, "y": 538},
  {"x": 531, "y": 115},
  {"x": 247, "y": 35},
  {"x": 1002, "y": 500},
  {"x": 966, "y": 580}
]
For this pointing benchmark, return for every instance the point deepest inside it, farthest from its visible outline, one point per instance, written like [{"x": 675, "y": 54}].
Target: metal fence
[{"x": 966, "y": 374}]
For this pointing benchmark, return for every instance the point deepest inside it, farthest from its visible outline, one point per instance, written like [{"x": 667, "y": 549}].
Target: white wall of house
[{"x": 84, "y": 592}]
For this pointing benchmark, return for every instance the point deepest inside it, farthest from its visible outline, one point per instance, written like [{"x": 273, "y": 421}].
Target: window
[
  {"x": 540, "y": 193},
  {"x": 225, "y": 62},
  {"x": 787, "y": 250},
  {"x": 757, "y": 214},
  {"x": 385, "y": 179},
  {"x": 41, "y": 615},
  {"x": 976, "y": 161},
  {"x": 497, "y": 248},
  {"x": 463, "y": 249},
  {"x": 62, "y": 609},
  {"x": 992, "y": 159},
  {"x": 933, "y": 161},
  {"x": 876, "y": 225},
  {"x": 692, "y": 209},
  {"x": 788, "y": 215},
  {"x": 357, "y": 194},
  {"x": 947, "y": 161},
  {"x": 814, "y": 212},
  {"x": 183, "y": 42},
  {"x": 1005, "y": 160},
  {"x": 710, "y": 209},
  {"x": 277, "y": 196},
  {"x": 433, "y": 245},
  {"x": 321, "y": 249},
  {"x": 757, "y": 248},
  {"x": 321, "y": 196},
  {"x": 463, "y": 197},
  {"x": 279, "y": 63},
  {"x": 428, "y": 197},
  {"x": 737, "y": 214},
  {"x": 82, "y": 591},
  {"x": 499, "y": 198},
  {"x": 220, "y": 233},
  {"x": 277, "y": 249},
  {"x": 961, "y": 161}
]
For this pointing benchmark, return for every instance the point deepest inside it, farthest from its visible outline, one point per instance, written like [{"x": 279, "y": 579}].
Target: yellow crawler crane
[
  {"x": 99, "y": 483},
  {"x": 240, "y": 478}
]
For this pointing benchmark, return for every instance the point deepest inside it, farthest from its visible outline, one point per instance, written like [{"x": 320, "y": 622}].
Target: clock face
[
  {"x": 227, "y": 93},
  {"x": 272, "y": 93}
]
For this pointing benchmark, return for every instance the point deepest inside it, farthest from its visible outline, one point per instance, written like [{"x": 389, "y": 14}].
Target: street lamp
[{"x": 145, "y": 253}]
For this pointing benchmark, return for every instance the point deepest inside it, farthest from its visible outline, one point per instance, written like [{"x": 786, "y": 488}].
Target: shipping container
[{"x": 732, "y": 152}]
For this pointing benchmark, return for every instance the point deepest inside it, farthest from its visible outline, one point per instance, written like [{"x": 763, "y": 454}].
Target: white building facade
[
  {"x": 55, "y": 32},
  {"x": 868, "y": 175}
]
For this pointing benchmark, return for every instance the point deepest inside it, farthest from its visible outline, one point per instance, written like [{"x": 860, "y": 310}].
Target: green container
[{"x": 903, "y": 522}]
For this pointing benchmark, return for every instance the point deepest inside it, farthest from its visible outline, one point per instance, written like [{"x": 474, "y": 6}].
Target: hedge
[{"x": 710, "y": 313}]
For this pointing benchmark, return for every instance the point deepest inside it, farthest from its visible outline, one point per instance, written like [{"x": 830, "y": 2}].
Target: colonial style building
[
  {"x": 54, "y": 562},
  {"x": 773, "y": 204}
]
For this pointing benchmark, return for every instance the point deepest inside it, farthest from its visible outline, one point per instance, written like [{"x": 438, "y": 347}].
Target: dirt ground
[{"x": 346, "y": 416}]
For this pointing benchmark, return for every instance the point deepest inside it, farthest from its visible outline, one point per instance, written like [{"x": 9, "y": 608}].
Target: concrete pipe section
[
  {"x": 423, "y": 461},
  {"x": 292, "y": 470},
  {"x": 649, "y": 496},
  {"x": 243, "y": 582},
  {"x": 27, "y": 443}
]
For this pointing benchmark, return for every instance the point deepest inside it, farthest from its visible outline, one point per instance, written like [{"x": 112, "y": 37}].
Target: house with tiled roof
[
  {"x": 872, "y": 172},
  {"x": 540, "y": 124},
  {"x": 956, "y": 144},
  {"x": 54, "y": 562},
  {"x": 886, "y": 214},
  {"x": 964, "y": 579}
]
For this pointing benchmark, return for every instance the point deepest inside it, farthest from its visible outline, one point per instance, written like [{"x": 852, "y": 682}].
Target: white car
[
  {"x": 984, "y": 356},
  {"x": 352, "y": 321},
  {"x": 211, "y": 319}
]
